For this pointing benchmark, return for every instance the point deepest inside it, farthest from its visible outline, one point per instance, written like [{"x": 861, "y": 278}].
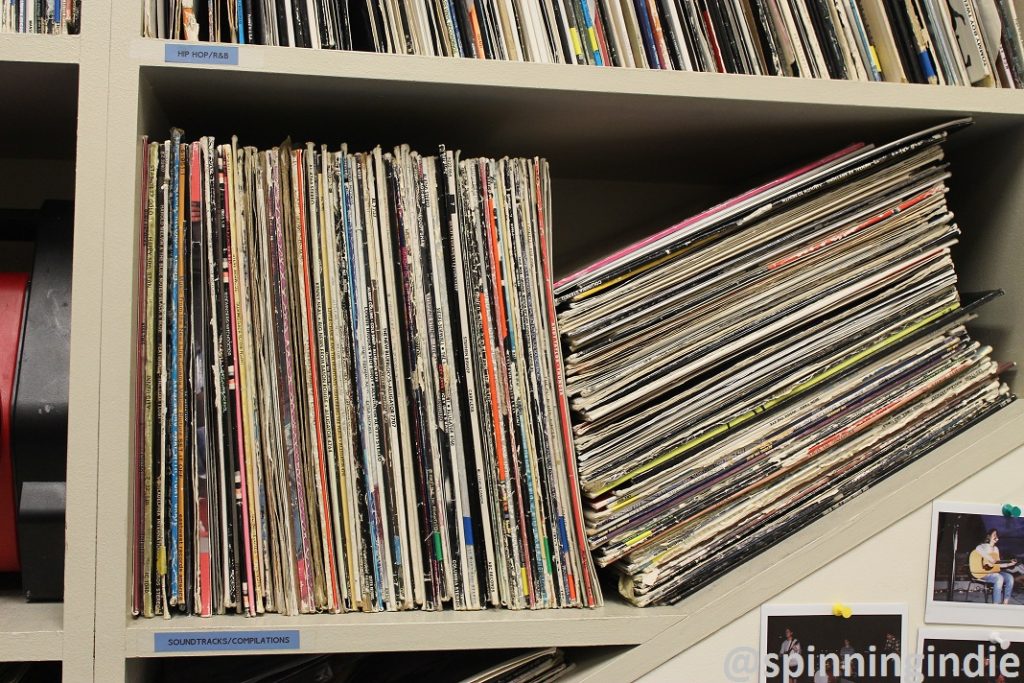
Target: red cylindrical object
[{"x": 12, "y": 307}]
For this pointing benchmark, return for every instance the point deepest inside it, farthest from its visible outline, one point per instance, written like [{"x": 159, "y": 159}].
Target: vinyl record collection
[
  {"x": 349, "y": 391},
  {"x": 955, "y": 42},
  {"x": 40, "y": 16},
  {"x": 740, "y": 374},
  {"x": 537, "y": 666}
]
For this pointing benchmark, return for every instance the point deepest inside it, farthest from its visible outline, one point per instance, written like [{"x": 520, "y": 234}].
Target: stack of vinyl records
[
  {"x": 738, "y": 375},
  {"x": 954, "y": 42},
  {"x": 350, "y": 385},
  {"x": 54, "y": 17}
]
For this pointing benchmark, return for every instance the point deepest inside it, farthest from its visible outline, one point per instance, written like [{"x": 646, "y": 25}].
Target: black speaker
[{"x": 39, "y": 428}]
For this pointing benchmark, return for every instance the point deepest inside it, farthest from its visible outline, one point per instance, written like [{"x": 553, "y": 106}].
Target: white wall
[{"x": 892, "y": 567}]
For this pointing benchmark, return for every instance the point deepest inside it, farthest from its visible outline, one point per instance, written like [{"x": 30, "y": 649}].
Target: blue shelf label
[
  {"x": 183, "y": 53},
  {"x": 211, "y": 641}
]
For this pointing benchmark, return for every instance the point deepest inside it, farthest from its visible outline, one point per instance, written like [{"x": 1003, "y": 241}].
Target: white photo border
[
  {"x": 974, "y": 634},
  {"x": 951, "y": 612},
  {"x": 823, "y": 609}
]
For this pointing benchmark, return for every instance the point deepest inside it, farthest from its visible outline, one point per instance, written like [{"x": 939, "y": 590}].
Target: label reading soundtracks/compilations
[
  {"x": 211, "y": 641},
  {"x": 221, "y": 55}
]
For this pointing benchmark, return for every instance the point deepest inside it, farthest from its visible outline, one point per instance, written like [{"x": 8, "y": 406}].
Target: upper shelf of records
[
  {"x": 570, "y": 114},
  {"x": 41, "y": 17},
  {"x": 381, "y": 71},
  {"x": 963, "y": 42}
]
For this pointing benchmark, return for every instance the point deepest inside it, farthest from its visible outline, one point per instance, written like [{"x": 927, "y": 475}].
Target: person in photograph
[
  {"x": 845, "y": 652},
  {"x": 790, "y": 645},
  {"x": 789, "y": 650},
  {"x": 828, "y": 676},
  {"x": 1001, "y": 581},
  {"x": 892, "y": 644}
]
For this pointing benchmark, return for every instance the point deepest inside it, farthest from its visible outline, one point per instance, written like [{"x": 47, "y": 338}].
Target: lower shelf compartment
[
  {"x": 437, "y": 666},
  {"x": 31, "y": 672}
]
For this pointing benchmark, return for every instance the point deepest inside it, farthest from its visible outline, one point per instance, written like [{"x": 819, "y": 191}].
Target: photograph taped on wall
[
  {"x": 951, "y": 655},
  {"x": 974, "y": 573},
  {"x": 812, "y": 643}
]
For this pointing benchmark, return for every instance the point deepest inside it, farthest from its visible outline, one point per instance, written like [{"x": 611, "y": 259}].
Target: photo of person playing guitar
[{"x": 986, "y": 565}]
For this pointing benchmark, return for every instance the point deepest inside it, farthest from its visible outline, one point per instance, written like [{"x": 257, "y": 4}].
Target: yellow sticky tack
[{"x": 841, "y": 610}]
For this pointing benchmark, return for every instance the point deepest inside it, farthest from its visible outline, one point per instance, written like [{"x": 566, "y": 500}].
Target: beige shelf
[
  {"x": 29, "y": 631},
  {"x": 43, "y": 49},
  {"x": 614, "y": 624},
  {"x": 609, "y": 81}
]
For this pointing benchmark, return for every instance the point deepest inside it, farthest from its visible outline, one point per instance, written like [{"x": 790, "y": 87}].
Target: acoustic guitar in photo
[{"x": 980, "y": 567}]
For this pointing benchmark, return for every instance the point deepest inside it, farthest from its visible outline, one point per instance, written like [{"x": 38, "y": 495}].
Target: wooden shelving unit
[{"x": 630, "y": 151}]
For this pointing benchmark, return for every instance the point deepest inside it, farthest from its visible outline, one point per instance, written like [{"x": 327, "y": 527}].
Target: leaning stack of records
[
  {"x": 740, "y": 374},
  {"x": 350, "y": 385},
  {"x": 954, "y": 42}
]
